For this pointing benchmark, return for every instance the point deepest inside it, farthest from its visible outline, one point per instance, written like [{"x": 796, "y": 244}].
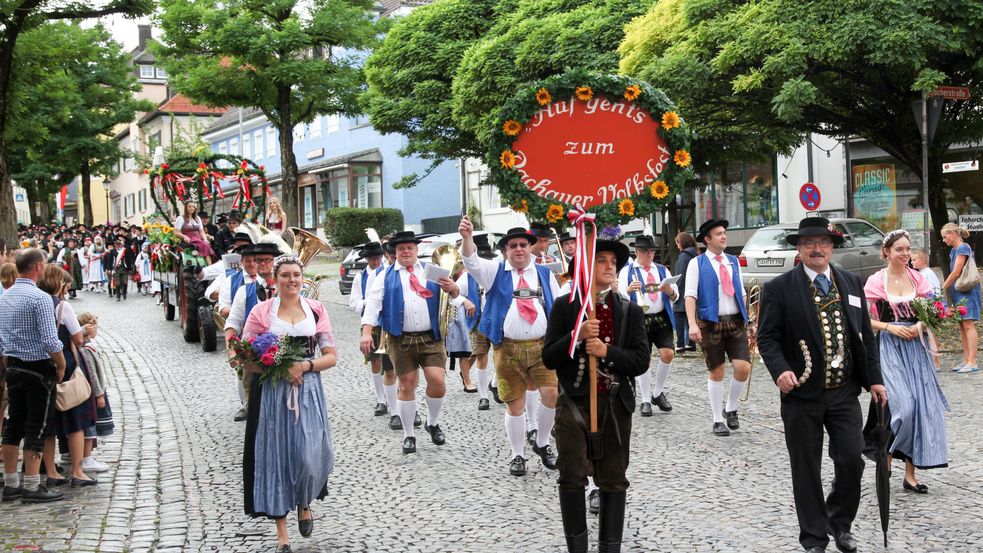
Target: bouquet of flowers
[
  {"x": 275, "y": 354},
  {"x": 934, "y": 313},
  {"x": 610, "y": 233}
]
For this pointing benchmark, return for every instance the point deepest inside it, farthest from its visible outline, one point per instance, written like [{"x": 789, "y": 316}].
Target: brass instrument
[
  {"x": 308, "y": 245},
  {"x": 564, "y": 275},
  {"x": 447, "y": 257},
  {"x": 753, "y": 306}
]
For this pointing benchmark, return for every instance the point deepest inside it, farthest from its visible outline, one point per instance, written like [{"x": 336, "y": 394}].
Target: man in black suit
[
  {"x": 618, "y": 339},
  {"x": 815, "y": 338}
]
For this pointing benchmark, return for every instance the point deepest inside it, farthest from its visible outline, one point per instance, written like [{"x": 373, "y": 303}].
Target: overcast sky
[{"x": 124, "y": 30}]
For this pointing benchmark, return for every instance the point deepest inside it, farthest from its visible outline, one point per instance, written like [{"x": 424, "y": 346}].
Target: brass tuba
[
  {"x": 753, "y": 306},
  {"x": 447, "y": 257},
  {"x": 307, "y": 245}
]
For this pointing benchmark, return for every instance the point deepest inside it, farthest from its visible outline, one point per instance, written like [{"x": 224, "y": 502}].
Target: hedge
[{"x": 345, "y": 226}]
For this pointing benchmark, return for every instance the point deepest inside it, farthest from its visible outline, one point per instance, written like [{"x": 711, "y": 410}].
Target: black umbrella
[{"x": 882, "y": 437}]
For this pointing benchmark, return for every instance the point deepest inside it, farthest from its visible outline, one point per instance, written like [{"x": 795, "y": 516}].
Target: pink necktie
[
  {"x": 420, "y": 289},
  {"x": 526, "y": 308},
  {"x": 725, "y": 282},
  {"x": 650, "y": 279}
]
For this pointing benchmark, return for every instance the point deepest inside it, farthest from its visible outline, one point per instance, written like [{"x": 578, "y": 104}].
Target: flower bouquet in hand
[
  {"x": 274, "y": 354},
  {"x": 934, "y": 313}
]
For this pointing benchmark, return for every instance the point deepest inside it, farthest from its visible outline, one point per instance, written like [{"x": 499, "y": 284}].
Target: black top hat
[
  {"x": 242, "y": 237},
  {"x": 644, "y": 242},
  {"x": 566, "y": 237},
  {"x": 261, "y": 248},
  {"x": 371, "y": 249},
  {"x": 403, "y": 237},
  {"x": 517, "y": 232},
  {"x": 709, "y": 225},
  {"x": 234, "y": 216},
  {"x": 388, "y": 248},
  {"x": 617, "y": 248},
  {"x": 814, "y": 226},
  {"x": 541, "y": 230},
  {"x": 484, "y": 248}
]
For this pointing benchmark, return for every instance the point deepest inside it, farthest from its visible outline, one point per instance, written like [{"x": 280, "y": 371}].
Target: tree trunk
[
  {"x": 288, "y": 161},
  {"x": 84, "y": 195},
  {"x": 8, "y": 211},
  {"x": 44, "y": 203}
]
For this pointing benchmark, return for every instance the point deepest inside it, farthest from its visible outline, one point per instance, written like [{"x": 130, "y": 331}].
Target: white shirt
[
  {"x": 726, "y": 305},
  {"x": 931, "y": 277},
  {"x": 484, "y": 272},
  {"x": 215, "y": 286},
  {"x": 237, "y": 311},
  {"x": 654, "y": 306},
  {"x": 416, "y": 315},
  {"x": 225, "y": 298},
  {"x": 213, "y": 271},
  {"x": 813, "y": 274},
  {"x": 356, "y": 299},
  {"x": 68, "y": 318}
]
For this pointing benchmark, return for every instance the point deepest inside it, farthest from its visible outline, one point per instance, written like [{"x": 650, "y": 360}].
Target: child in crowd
[
  {"x": 96, "y": 364},
  {"x": 919, "y": 262}
]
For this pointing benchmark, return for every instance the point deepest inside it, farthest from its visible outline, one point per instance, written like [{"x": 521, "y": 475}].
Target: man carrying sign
[{"x": 518, "y": 296}]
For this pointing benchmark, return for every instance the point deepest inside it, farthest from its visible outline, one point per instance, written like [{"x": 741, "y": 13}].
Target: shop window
[
  {"x": 368, "y": 183},
  {"x": 761, "y": 194},
  {"x": 307, "y": 207},
  {"x": 743, "y": 193}
]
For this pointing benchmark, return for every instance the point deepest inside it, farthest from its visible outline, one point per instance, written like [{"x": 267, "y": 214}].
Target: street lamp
[{"x": 105, "y": 186}]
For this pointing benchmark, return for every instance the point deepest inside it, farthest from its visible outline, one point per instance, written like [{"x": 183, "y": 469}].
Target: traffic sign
[
  {"x": 952, "y": 92},
  {"x": 810, "y": 197}
]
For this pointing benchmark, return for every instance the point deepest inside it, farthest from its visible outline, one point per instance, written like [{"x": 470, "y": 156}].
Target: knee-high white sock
[
  {"x": 515, "y": 432},
  {"x": 391, "y": 398},
  {"x": 532, "y": 404},
  {"x": 645, "y": 385},
  {"x": 546, "y": 417},
  {"x": 736, "y": 389},
  {"x": 483, "y": 379},
  {"x": 716, "y": 392},
  {"x": 242, "y": 391},
  {"x": 590, "y": 484},
  {"x": 407, "y": 410},
  {"x": 661, "y": 374},
  {"x": 380, "y": 388},
  {"x": 433, "y": 409}
]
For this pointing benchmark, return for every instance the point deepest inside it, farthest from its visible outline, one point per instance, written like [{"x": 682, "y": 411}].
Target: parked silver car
[{"x": 767, "y": 255}]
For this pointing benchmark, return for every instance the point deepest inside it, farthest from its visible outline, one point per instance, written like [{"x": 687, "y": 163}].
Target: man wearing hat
[
  {"x": 385, "y": 386},
  {"x": 406, "y": 307},
  {"x": 225, "y": 237},
  {"x": 121, "y": 267},
  {"x": 641, "y": 281},
  {"x": 472, "y": 296},
  {"x": 815, "y": 338},
  {"x": 219, "y": 271},
  {"x": 518, "y": 297},
  {"x": 543, "y": 233},
  {"x": 617, "y": 338},
  {"x": 68, "y": 258},
  {"x": 717, "y": 317},
  {"x": 568, "y": 245}
]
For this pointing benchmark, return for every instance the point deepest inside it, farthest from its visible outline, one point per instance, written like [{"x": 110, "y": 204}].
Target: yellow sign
[{"x": 875, "y": 194}]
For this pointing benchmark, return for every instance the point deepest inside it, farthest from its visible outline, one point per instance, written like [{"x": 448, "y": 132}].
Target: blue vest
[
  {"x": 707, "y": 300},
  {"x": 498, "y": 299},
  {"x": 365, "y": 276},
  {"x": 636, "y": 271},
  {"x": 393, "y": 306},
  {"x": 251, "y": 299},
  {"x": 237, "y": 278},
  {"x": 474, "y": 296}
]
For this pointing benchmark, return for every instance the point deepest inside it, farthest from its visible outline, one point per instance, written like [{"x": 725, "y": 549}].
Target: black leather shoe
[
  {"x": 52, "y": 482},
  {"x": 680, "y": 350},
  {"x": 10, "y": 494},
  {"x": 436, "y": 434},
  {"x": 417, "y": 421},
  {"x": 594, "y": 502},
  {"x": 409, "y": 445},
  {"x": 917, "y": 488},
  {"x": 395, "y": 423},
  {"x": 732, "y": 421},
  {"x": 494, "y": 392},
  {"x": 720, "y": 429},
  {"x": 381, "y": 409},
  {"x": 662, "y": 402},
  {"x": 531, "y": 437},
  {"x": 285, "y": 548},
  {"x": 546, "y": 454},
  {"x": 646, "y": 410},
  {"x": 306, "y": 527},
  {"x": 816, "y": 549},
  {"x": 240, "y": 415},
  {"x": 79, "y": 483},
  {"x": 41, "y": 495},
  {"x": 483, "y": 405},
  {"x": 518, "y": 466},
  {"x": 845, "y": 542}
]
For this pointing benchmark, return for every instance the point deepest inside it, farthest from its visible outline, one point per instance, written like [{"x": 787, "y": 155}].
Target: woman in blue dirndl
[{"x": 960, "y": 257}]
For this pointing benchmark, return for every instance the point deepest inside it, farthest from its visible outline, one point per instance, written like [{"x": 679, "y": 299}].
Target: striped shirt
[{"x": 27, "y": 323}]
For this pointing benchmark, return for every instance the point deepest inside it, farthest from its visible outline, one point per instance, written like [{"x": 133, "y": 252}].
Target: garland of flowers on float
[
  {"x": 200, "y": 178},
  {"x": 584, "y": 86},
  {"x": 165, "y": 247}
]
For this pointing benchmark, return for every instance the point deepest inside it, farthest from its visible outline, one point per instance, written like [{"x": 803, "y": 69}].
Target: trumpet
[
  {"x": 753, "y": 306},
  {"x": 564, "y": 276},
  {"x": 449, "y": 258}
]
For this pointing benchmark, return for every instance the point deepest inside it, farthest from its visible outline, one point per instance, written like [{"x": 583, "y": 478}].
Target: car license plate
[{"x": 771, "y": 262}]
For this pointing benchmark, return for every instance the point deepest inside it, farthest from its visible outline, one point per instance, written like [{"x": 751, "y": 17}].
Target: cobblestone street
[{"x": 175, "y": 477}]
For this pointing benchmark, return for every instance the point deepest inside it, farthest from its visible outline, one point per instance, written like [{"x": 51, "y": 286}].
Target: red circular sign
[
  {"x": 590, "y": 153},
  {"x": 810, "y": 197}
]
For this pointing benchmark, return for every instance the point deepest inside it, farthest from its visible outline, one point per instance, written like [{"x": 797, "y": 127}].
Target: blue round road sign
[{"x": 809, "y": 196}]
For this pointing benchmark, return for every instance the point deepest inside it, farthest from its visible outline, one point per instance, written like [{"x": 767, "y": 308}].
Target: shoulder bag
[
  {"x": 970, "y": 277},
  {"x": 76, "y": 390}
]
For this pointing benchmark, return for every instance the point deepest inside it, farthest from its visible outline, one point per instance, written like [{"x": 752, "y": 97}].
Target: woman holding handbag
[
  {"x": 70, "y": 420},
  {"x": 963, "y": 284}
]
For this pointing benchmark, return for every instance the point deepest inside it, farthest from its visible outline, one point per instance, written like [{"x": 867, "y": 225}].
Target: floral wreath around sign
[{"x": 583, "y": 86}]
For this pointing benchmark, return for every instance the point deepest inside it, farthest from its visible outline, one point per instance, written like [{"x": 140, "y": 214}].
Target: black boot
[
  {"x": 573, "y": 511},
  {"x": 611, "y": 520}
]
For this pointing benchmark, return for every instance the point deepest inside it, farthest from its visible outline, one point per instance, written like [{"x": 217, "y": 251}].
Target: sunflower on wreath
[
  {"x": 555, "y": 213},
  {"x": 659, "y": 189}
]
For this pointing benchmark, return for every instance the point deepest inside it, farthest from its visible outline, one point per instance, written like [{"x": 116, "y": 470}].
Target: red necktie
[
  {"x": 527, "y": 310},
  {"x": 725, "y": 282},
  {"x": 650, "y": 279},
  {"x": 420, "y": 289}
]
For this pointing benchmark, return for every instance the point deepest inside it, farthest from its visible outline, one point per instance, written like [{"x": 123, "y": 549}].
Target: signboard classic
[{"x": 609, "y": 144}]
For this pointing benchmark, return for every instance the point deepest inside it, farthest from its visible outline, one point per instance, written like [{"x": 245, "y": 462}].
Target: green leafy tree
[
  {"x": 775, "y": 67},
  {"x": 292, "y": 60},
  {"x": 16, "y": 18}
]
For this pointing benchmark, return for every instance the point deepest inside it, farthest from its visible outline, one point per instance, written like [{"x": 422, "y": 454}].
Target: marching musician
[
  {"x": 717, "y": 316},
  {"x": 220, "y": 273},
  {"x": 641, "y": 281},
  {"x": 407, "y": 310},
  {"x": 617, "y": 338},
  {"x": 543, "y": 234},
  {"x": 568, "y": 245},
  {"x": 519, "y": 295},
  {"x": 383, "y": 375},
  {"x": 471, "y": 296}
]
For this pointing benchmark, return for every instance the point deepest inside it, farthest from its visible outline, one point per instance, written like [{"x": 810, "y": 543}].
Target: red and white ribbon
[{"x": 583, "y": 264}]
